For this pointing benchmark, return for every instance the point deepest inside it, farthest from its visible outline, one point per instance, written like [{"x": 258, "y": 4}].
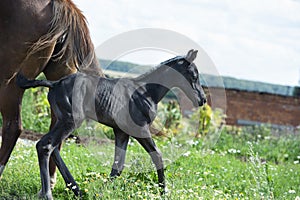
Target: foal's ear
[{"x": 191, "y": 55}]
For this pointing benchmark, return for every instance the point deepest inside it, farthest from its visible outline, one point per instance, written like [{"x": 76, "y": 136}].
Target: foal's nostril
[{"x": 202, "y": 101}]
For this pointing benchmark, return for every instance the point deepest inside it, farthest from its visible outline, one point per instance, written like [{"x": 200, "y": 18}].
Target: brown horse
[{"x": 49, "y": 36}]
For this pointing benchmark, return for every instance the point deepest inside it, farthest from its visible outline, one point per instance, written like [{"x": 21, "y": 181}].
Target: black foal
[{"x": 129, "y": 106}]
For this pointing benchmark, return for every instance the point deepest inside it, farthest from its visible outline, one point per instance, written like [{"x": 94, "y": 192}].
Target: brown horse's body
[{"x": 37, "y": 36}]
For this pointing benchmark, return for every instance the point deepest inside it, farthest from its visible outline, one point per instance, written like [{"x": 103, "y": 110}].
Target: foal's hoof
[
  {"x": 75, "y": 189},
  {"x": 43, "y": 196},
  {"x": 77, "y": 192},
  {"x": 162, "y": 189},
  {"x": 115, "y": 173}
]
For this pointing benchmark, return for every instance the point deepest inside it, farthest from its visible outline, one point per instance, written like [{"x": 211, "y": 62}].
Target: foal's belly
[{"x": 105, "y": 117}]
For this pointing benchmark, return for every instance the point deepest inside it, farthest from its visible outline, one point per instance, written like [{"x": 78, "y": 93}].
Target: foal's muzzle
[
  {"x": 201, "y": 96},
  {"x": 202, "y": 101}
]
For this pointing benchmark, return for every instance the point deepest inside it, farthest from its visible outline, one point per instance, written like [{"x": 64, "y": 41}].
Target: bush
[
  {"x": 36, "y": 110},
  {"x": 271, "y": 148},
  {"x": 207, "y": 121},
  {"x": 172, "y": 114}
]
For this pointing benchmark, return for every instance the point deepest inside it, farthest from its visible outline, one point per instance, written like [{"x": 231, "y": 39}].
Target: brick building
[
  {"x": 252, "y": 108},
  {"x": 252, "y": 103}
]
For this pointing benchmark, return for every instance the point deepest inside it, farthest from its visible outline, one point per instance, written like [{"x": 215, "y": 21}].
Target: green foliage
[
  {"x": 36, "y": 110},
  {"x": 95, "y": 129},
  {"x": 172, "y": 114},
  {"x": 202, "y": 116},
  {"x": 207, "y": 120},
  {"x": 234, "y": 169},
  {"x": 272, "y": 145},
  {"x": 168, "y": 121},
  {"x": 262, "y": 180}
]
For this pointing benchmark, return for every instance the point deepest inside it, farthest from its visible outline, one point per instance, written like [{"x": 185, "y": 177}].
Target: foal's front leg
[
  {"x": 121, "y": 141},
  {"x": 156, "y": 157}
]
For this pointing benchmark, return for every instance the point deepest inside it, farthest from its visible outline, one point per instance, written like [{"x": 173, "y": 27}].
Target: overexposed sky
[{"x": 250, "y": 39}]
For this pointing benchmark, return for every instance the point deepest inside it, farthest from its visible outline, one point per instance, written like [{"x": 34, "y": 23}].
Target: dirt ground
[
  {"x": 28, "y": 135},
  {"x": 82, "y": 140},
  {"x": 35, "y": 136}
]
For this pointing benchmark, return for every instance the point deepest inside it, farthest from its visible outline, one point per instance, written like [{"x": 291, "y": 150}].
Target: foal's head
[{"x": 189, "y": 73}]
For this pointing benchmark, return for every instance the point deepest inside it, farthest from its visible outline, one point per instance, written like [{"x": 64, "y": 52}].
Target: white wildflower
[{"x": 186, "y": 154}]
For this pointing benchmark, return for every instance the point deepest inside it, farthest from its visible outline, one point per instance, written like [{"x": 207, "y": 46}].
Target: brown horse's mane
[{"x": 68, "y": 26}]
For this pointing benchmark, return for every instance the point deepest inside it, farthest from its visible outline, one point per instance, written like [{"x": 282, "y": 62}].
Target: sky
[{"x": 251, "y": 39}]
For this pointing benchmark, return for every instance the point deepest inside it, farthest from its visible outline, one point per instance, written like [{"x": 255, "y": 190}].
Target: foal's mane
[
  {"x": 159, "y": 67},
  {"x": 68, "y": 25}
]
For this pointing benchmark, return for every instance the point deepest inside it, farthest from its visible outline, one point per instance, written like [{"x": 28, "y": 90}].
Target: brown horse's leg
[
  {"x": 10, "y": 106},
  {"x": 52, "y": 165},
  {"x": 52, "y": 170}
]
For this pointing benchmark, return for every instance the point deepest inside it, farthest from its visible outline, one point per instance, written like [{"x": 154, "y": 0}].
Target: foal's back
[{"x": 118, "y": 103}]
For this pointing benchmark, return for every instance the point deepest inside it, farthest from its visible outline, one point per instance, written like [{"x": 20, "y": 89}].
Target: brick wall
[{"x": 257, "y": 107}]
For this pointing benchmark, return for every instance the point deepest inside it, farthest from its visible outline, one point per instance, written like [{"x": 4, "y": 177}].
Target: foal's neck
[{"x": 157, "y": 82}]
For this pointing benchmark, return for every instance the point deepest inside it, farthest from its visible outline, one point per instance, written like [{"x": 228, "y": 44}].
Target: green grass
[
  {"x": 248, "y": 163},
  {"x": 239, "y": 166}
]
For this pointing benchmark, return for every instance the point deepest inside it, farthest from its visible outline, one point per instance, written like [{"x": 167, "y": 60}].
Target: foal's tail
[{"x": 24, "y": 83}]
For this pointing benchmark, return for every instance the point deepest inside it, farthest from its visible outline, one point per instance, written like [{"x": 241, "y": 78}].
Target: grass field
[
  {"x": 249, "y": 164},
  {"x": 245, "y": 163}
]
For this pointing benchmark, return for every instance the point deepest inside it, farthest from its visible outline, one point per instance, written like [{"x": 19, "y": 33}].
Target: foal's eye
[
  {"x": 180, "y": 62},
  {"x": 194, "y": 76}
]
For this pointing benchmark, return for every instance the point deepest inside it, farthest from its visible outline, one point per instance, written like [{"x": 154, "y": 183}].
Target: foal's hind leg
[
  {"x": 121, "y": 141},
  {"x": 45, "y": 147},
  {"x": 156, "y": 157},
  {"x": 10, "y": 106},
  {"x": 54, "y": 71},
  {"x": 69, "y": 180}
]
